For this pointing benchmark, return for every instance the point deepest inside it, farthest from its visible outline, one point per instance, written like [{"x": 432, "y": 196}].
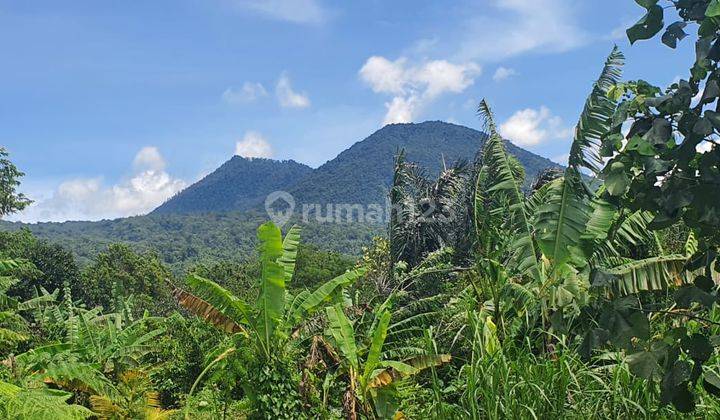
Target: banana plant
[
  {"x": 564, "y": 236},
  {"x": 13, "y": 327},
  {"x": 38, "y": 403},
  {"x": 371, "y": 378},
  {"x": 276, "y": 316}
]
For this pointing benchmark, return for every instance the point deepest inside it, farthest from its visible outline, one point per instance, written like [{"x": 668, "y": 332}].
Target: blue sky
[{"x": 111, "y": 107}]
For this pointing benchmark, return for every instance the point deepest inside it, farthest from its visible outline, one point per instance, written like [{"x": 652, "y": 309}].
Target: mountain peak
[
  {"x": 241, "y": 183},
  {"x": 359, "y": 175}
]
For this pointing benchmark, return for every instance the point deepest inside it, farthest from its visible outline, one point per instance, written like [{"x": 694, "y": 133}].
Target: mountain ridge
[
  {"x": 238, "y": 184},
  {"x": 361, "y": 174}
]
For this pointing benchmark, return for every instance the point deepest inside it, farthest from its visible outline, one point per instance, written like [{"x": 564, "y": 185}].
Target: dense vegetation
[
  {"x": 239, "y": 184},
  {"x": 215, "y": 219},
  {"x": 484, "y": 299},
  {"x": 360, "y": 175},
  {"x": 183, "y": 240}
]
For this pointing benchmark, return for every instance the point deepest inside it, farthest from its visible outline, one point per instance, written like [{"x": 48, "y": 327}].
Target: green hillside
[
  {"x": 362, "y": 174},
  {"x": 239, "y": 184}
]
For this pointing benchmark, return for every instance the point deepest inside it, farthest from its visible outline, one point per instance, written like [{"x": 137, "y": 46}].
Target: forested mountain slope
[
  {"x": 362, "y": 173},
  {"x": 358, "y": 175},
  {"x": 239, "y": 184},
  {"x": 216, "y": 217},
  {"x": 182, "y": 240}
]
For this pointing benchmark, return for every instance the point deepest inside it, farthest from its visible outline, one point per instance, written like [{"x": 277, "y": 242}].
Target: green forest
[{"x": 588, "y": 291}]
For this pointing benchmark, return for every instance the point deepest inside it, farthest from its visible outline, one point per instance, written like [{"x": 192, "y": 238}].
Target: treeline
[{"x": 181, "y": 241}]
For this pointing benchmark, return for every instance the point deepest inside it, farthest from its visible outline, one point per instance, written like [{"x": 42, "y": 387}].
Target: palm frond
[
  {"x": 222, "y": 308},
  {"x": 657, "y": 273},
  {"x": 38, "y": 403},
  {"x": 497, "y": 178},
  {"x": 561, "y": 221},
  {"x": 596, "y": 117}
]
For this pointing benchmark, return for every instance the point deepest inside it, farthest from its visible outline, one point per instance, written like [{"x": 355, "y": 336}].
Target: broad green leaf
[
  {"x": 674, "y": 33},
  {"x": 342, "y": 331},
  {"x": 674, "y": 387},
  {"x": 647, "y": 4},
  {"x": 378, "y": 340},
  {"x": 688, "y": 295},
  {"x": 645, "y": 365},
  {"x": 650, "y": 274},
  {"x": 647, "y": 26},
  {"x": 711, "y": 383},
  {"x": 641, "y": 146},
  {"x": 322, "y": 293},
  {"x": 561, "y": 221},
  {"x": 271, "y": 301},
  {"x": 402, "y": 367},
  {"x": 290, "y": 250},
  {"x": 698, "y": 347},
  {"x": 394, "y": 369},
  {"x": 713, "y": 9},
  {"x": 616, "y": 180}
]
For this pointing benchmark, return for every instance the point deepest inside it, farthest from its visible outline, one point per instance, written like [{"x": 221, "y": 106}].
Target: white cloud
[
  {"x": 619, "y": 33},
  {"x": 149, "y": 157},
  {"x": 296, "y": 11},
  {"x": 89, "y": 199},
  {"x": 383, "y": 75},
  {"x": 521, "y": 26},
  {"x": 249, "y": 92},
  {"x": 414, "y": 86},
  {"x": 253, "y": 145},
  {"x": 401, "y": 110},
  {"x": 530, "y": 127},
  {"x": 287, "y": 97},
  {"x": 503, "y": 73}
]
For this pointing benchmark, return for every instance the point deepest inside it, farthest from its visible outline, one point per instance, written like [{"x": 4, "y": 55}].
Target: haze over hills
[{"x": 359, "y": 175}]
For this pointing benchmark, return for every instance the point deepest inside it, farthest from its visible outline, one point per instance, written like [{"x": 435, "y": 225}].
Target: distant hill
[
  {"x": 182, "y": 240},
  {"x": 362, "y": 174},
  {"x": 239, "y": 184},
  {"x": 216, "y": 217},
  {"x": 359, "y": 175}
]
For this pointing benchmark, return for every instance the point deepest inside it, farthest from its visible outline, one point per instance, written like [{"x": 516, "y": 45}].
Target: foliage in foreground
[{"x": 576, "y": 300}]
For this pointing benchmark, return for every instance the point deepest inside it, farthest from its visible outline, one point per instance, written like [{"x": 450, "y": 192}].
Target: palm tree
[
  {"x": 423, "y": 210},
  {"x": 131, "y": 398}
]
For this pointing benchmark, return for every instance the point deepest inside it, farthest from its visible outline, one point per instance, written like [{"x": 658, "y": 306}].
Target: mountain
[
  {"x": 359, "y": 175},
  {"x": 216, "y": 218},
  {"x": 239, "y": 184},
  {"x": 362, "y": 174}
]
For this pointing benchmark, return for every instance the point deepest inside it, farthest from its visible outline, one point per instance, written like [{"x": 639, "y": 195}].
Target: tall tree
[
  {"x": 668, "y": 163},
  {"x": 11, "y": 201}
]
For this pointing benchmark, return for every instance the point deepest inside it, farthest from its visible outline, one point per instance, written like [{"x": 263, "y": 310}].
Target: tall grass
[{"x": 515, "y": 383}]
